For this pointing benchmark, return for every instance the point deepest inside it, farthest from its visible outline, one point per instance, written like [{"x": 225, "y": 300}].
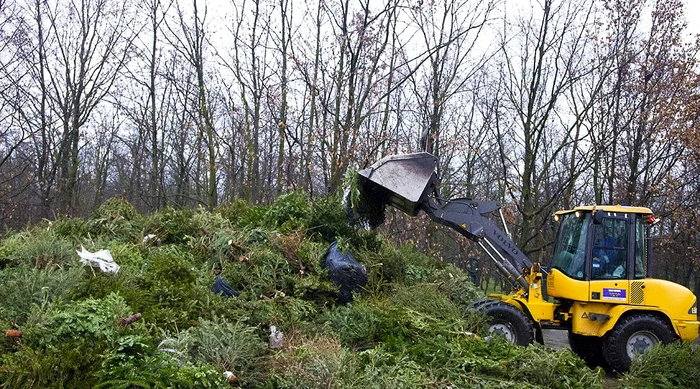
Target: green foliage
[
  {"x": 37, "y": 247},
  {"x": 32, "y": 368},
  {"x": 322, "y": 363},
  {"x": 223, "y": 246},
  {"x": 538, "y": 365},
  {"x": 314, "y": 362},
  {"x": 290, "y": 312},
  {"x": 673, "y": 365},
  {"x": 116, "y": 208},
  {"x": 383, "y": 369},
  {"x": 457, "y": 285},
  {"x": 328, "y": 219},
  {"x": 171, "y": 225},
  {"x": 23, "y": 287},
  {"x": 90, "y": 320},
  {"x": 232, "y": 211},
  {"x": 243, "y": 214},
  {"x": 397, "y": 265},
  {"x": 73, "y": 229},
  {"x": 431, "y": 302},
  {"x": 289, "y": 212},
  {"x": 265, "y": 268},
  {"x": 412, "y": 326},
  {"x": 314, "y": 287},
  {"x": 65, "y": 340},
  {"x": 96, "y": 284},
  {"x": 116, "y": 218},
  {"x": 167, "y": 292},
  {"x": 210, "y": 221},
  {"x": 357, "y": 325},
  {"x": 397, "y": 322},
  {"x": 128, "y": 255},
  {"x": 226, "y": 345},
  {"x": 134, "y": 363},
  {"x": 430, "y": 332},
  {"x": 467, "y": 361}
]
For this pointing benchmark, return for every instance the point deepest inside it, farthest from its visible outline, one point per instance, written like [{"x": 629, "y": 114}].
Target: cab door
[{"x": 612, "y": 258}]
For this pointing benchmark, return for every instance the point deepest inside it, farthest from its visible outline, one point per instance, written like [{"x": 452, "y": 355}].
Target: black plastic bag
[
  {"x": 221, "y": 287},
  {"x": 345, "y": 272}
]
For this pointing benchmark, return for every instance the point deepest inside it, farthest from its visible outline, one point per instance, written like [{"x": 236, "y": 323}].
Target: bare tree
[
  {"x": 25, "y": 98},
  {"x": 661, "y": 86},
  {"x": 248, "y": 66},
  {"x": 449, "y": 32},
  {"x": 284, "y": 42},
  {"x": 363, "y": 37},
  {"x": 190, "y": 40},
  {"x": 548, "y": 64},
  {"x": 91, "y": 50}
]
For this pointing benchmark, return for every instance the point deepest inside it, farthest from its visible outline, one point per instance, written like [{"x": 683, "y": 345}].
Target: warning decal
[{"x": 615, "y": 294}]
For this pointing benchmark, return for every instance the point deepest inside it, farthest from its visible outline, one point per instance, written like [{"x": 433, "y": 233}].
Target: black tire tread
[
  {"x": 522, "y": 325},
  {"x": 614, "y": 342}
]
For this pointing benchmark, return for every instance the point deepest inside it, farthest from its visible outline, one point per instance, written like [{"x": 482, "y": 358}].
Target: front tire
[
  {"x": 508, "y": 321},
  {"x": 634, "y": 335}
]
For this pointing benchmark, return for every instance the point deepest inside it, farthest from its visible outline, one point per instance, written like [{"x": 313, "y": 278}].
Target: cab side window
[
  {"x": 640, "y": 256},
  {"x": 610, "y": 249}
]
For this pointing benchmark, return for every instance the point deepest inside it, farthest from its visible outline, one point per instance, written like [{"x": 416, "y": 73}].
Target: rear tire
[
  {"x": 508, "y": 321},
  {"x": 588, "y": 348},
  {"x": 634, "y": 335}
]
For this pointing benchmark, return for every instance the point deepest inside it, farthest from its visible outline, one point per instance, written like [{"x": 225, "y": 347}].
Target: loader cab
[{"x": 604, "y": 243}]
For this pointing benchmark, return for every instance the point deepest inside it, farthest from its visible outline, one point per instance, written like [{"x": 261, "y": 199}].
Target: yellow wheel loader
[{"x": 597, "y": 287}]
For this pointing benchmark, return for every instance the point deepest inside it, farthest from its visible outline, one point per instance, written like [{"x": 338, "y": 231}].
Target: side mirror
[{"x": 597, "y": 217}]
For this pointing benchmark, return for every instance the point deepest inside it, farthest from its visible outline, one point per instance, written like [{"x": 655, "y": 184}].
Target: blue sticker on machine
[{"x": 615, "y": 294}]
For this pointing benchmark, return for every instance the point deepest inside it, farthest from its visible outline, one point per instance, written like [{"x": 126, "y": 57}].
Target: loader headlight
[{"x": 694, "y": 309}]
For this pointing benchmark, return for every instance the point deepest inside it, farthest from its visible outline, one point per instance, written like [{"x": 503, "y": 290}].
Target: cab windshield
[{"x": 570, "y": 248}]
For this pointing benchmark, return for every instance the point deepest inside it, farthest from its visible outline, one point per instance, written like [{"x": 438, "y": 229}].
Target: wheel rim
[
  {"x": 503, "y": 329},
  {"x": 640, "y": 342}
]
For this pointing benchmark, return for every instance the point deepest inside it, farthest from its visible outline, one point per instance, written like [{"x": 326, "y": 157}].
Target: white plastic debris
[
  {"x": 230, "y": 377},
  {"x": 276, "y": 338},
  {"x": 102, "y": 259},
  {"x": 151, "y": 239}
]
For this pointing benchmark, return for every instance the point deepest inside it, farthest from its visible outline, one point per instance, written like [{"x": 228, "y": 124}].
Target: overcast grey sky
[{"x": 692, "y": 14}]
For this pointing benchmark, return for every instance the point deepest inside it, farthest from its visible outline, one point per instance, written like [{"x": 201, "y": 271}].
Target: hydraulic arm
[
  {"x": 408, "y": 182},
  {"x": 470, "y": 218}
]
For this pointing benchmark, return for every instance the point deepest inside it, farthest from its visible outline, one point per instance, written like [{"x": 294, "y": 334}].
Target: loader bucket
[{"x": 403, "y": 181}]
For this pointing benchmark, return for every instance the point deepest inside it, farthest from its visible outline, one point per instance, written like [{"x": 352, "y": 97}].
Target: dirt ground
[{"x": 556, "y": 339}]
